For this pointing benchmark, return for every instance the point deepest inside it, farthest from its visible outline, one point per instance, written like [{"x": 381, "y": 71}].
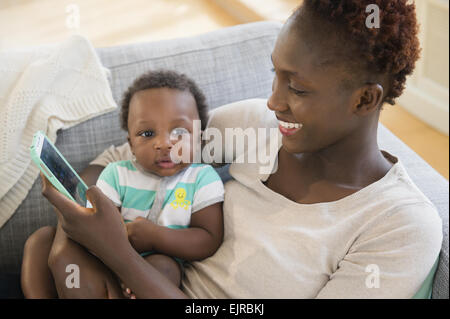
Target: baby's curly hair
[
  {"x": 391, "y": 50},
  {"x": 164, "y": 79}
]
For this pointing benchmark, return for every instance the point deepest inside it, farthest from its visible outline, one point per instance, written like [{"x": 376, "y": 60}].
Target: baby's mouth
[{"x": 165, "y": 162}]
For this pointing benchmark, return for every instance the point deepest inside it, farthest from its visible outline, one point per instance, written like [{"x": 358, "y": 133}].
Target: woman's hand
[
  {"x": 127, "y": 293},
  {"x": 100, "y": 229},
  {"x": 140, "y": 233}
]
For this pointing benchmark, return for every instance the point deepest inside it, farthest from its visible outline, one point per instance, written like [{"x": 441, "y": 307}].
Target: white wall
[{"x": 426, "y": 94}]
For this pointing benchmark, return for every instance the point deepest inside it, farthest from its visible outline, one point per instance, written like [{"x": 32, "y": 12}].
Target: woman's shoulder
[
  {"x": 113, "y": 154},
  {"x": 397, "y": 186},
  {"x": 126, "y": 164},
  {"x": 402, "y": 204},
  {"x": 242, "y": 114}
]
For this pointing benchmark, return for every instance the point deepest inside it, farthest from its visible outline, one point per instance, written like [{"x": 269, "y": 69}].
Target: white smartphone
[{"x": 57, "y": 170}]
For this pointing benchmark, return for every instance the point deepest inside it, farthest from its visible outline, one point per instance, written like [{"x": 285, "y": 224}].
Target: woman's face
[{"x": 309, "y": 93}]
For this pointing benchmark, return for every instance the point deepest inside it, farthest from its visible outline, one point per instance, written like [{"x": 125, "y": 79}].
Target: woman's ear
[{"x": 369, "y": 99}]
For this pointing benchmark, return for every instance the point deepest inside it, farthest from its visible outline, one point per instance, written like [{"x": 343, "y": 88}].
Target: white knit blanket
[{"x": 44, "y": 88}]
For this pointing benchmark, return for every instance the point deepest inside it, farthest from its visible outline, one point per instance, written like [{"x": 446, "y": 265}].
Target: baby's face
[{"x": 154, "y": 116}]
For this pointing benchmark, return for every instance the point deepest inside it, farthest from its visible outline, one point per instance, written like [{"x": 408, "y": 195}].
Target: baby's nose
[{"x": 163, "y": 143}]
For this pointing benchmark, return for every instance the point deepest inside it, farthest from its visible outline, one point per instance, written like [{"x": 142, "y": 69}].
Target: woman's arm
[
  {"x": 142, "y": 278},
  {"x": 390, "y": 259},
  {"x": 102, "y": 230}
]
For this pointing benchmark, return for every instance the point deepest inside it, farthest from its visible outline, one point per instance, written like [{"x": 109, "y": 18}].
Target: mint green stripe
[
  {"x": 109, "y": 176},
  {"x": 207, "y": 176},
  {"x": 427, "y": 286},
  {"x": 126, "y": 164},
  {"x": 198, "y": 165},
  {"x": 177, "y": 226},
  {"x": 169, "y": 226},
  {"x": 137, "y": 198}
]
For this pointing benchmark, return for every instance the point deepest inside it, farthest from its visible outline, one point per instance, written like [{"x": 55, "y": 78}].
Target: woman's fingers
[
  {"x": 99, "y": 201},
  {"x": 64, "y": 206},
  {"x": 127, "y": 291},
  {"x": 100, "y": 229},
  {"x": 130, "y": 294}
]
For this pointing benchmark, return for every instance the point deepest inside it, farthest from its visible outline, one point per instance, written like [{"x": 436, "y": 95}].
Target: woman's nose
[{"x": 277, "y": 101}]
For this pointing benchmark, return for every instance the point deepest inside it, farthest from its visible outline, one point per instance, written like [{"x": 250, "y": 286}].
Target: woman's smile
[{"x": 289, "y": 128}]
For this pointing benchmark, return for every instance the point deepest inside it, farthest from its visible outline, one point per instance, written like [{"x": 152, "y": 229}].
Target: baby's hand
[{"x": 140, "y": 233}]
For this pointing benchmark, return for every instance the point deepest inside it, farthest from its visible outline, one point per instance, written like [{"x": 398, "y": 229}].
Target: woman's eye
[
  {"x": 295, "y": 91},
  {"x": 147, "y": 134},
  {"x": 272, "y": 70}
]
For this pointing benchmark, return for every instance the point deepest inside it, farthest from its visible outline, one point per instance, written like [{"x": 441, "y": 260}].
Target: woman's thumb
[
  {"x": 64, "y": 207},
  {"x": 98, "y": 200}
]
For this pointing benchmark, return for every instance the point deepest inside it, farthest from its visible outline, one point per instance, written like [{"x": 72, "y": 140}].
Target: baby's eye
[
  {"x": 147, "y": 134},
  {"x": 177, "y": 133}
]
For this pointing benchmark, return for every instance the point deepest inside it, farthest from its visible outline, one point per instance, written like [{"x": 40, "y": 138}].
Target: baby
[{"x": 173, "y": 210}]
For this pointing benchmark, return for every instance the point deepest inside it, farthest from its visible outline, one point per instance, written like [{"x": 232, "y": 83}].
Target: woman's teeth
[{"x": 290, "y": 125}]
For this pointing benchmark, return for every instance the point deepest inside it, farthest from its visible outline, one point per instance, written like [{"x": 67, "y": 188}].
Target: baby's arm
[{"x": 201, "y": 240}]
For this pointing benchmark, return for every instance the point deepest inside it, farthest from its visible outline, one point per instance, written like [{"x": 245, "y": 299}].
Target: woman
[{"x": 335, "y": 218}]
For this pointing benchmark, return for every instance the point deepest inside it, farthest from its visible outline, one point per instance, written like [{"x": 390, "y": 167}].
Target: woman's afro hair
[{"x": 392, "y": 49}]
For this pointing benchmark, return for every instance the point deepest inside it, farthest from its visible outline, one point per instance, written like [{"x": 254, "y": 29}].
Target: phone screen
[{"x": 63, "y": 173}]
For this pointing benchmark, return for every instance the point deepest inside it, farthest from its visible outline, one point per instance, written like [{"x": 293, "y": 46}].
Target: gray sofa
[{"x": 229, "y": 65}]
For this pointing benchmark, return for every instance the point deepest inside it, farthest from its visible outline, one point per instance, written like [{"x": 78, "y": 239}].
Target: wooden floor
[
  {"x": 430, "y": 144},
  {"x": 114, "y": 22}
]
